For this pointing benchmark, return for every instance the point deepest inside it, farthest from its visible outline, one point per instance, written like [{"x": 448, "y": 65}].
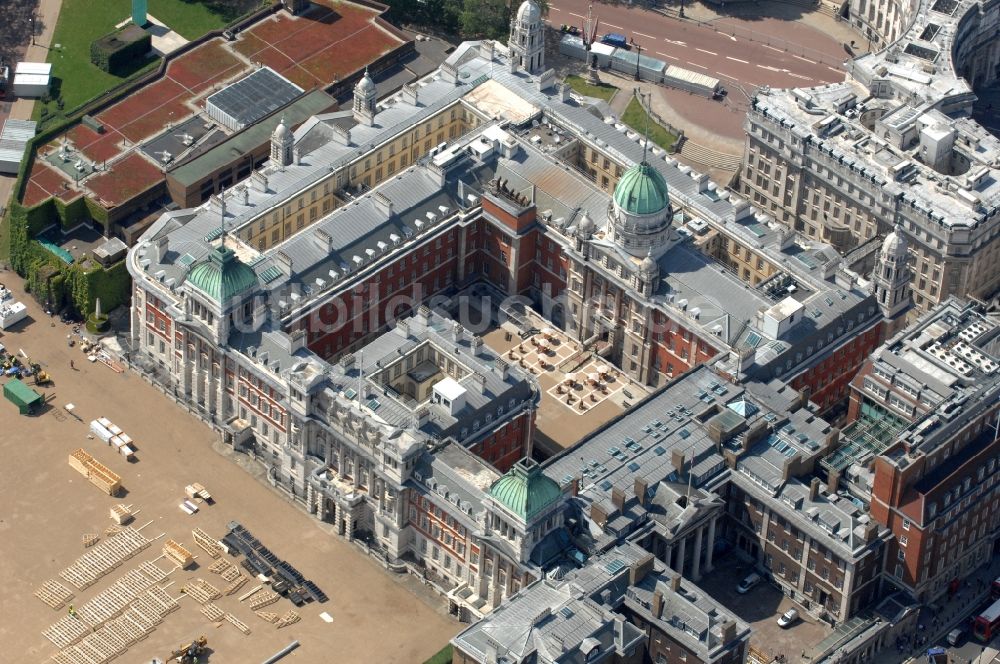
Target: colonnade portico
[{"x": 675, "y": 555}]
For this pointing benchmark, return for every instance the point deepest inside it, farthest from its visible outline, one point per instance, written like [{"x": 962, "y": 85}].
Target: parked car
[
  {"x": 748, "y": 582},
  {"x": 570, "y": 29},
  {"x": 788, "y": 617},
  {"x": 615, "y": 39},
  {"x": 956, "y": 637}
]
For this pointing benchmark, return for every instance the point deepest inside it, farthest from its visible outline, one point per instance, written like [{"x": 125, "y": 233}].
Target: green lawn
[
  {"x": 75, "y": 79},
  {"x": 442, "y": 657},
  {"x": 635, "y": 116},
  {"x": 580, "y": 85}
]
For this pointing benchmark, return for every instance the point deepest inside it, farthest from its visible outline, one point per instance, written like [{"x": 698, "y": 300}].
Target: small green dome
[
  {"x": 525, "y": 490},
  {"x": 222, "y": 276},
  {"x": 642, "y": 190}
]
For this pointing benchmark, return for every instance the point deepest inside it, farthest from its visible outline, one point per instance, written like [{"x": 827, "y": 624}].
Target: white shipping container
[{"x": 102, "y": 433}]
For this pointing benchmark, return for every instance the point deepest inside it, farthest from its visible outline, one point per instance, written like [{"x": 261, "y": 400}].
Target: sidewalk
[
  {"x": 21, "y": 109},
  {"x": 935, "y": 623}
]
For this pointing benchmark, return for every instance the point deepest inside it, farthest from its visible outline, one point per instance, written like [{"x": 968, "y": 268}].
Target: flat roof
[
  {"x": 254, "y": 96},
  {"x": 449, "y": 388},
  {"x": 33, "y": 68},
  {"x": 240, "y": 143}
]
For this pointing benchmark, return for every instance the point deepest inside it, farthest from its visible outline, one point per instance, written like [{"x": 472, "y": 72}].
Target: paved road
[
  {"x": 751, "y": 56},
  {"x": 20, "y": 109}
]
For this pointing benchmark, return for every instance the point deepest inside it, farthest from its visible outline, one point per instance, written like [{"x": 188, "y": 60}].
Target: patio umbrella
[
  {"x": 601, "y": 369},
  {"x": 593, "y": 377}
]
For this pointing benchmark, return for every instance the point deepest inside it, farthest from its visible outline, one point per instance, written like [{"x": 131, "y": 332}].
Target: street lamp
[
  {"x": 638, "y": 54},
  {"x": 31, "y": 25}
]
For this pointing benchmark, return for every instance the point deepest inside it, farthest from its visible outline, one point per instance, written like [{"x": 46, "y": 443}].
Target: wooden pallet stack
[
  {"x": 54, "y": 594},
  {"x": 177, "y": 553},
  {"x": 121, "y": 514},
  {"x": 99, "y": 475},
  {"x": 236, "y": 583},
  {"x": 290, "y": 618},
  {"x": 201, "y": 591},
  {"x": 206, "y": 542},
  {"x": 237, "y": 623},
  {"x": 104, "y": 557},
  {"x": 261, "y": 600},
  {"x": 212, "y": 612},
  {"x": 117, "y": 635}
]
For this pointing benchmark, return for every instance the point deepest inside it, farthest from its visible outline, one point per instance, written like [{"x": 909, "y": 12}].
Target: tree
[{"x": 488, "y": 19}]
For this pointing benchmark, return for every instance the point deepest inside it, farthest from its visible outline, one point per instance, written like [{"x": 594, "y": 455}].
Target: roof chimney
[
  {"x": 814, "y": 488},
  {"x": 677, "y": 459},
  {"x": 727, "y": 632},
  {"x": 640, "y": 490},
  {"x": 657, "y": 603},
  {"x": 598, "y": 515},
  {"x": 618, "y": 499},
  {"x": 410, "y": 94},
  {"x": 383, "y": 203},
  {"x": 341, "y": 136},
  {"x": 675, "y": 582},
  {"x": 640, "y": 569}
]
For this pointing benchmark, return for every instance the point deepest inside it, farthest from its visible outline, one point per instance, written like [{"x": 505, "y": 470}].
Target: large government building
[
  {"x": 893, "y": 145},
  {"x": 327, "y": 315}
]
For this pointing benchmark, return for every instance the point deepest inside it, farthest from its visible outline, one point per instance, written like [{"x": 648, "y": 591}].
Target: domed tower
[
  {"x": 640, "y": 213},
  {"x": 282, "y": 144},
  {"x": 365, "y": 96},
  {"x": 527, "y": 38},
  {"x": 524, "y": 506},
  {"x": 218, "y": 288},
  {"x": 585, "y": 229},
  {"x": 647, "y": 275},
  {"x": 891, "y": 276}
]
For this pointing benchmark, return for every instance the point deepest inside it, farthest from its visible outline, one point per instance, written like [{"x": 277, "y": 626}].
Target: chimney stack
[
  {"x": 657, "y": 603},
  {"x": 618, "y": 499},
  {"x": 675, "y": 582},
  {"x": 640, "y": 490},
  {"x": 814, "y": 488}
]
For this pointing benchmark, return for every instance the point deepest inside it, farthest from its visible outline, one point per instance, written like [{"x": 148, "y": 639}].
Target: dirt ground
[{"x": 46, "y": 506}]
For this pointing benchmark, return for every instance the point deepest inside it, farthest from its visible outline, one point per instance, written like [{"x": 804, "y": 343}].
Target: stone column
[
  {"x": 696, "y": 562},
  {"x": 680, "y": 556},
  {"x": 310, "y": 497},
  {"x": 711, "y": 544}
]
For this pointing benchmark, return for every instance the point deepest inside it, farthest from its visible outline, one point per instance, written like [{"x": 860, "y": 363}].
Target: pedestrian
[{"x": 71, "y": 365}]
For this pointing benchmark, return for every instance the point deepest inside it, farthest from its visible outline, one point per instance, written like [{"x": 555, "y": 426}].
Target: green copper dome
[
  {"x": 642, "y": 190},
  {"x": 525, "y": 490},
  {"x": 222, "y": 276}
]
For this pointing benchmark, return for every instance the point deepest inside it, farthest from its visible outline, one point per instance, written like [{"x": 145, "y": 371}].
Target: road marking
[
  {"x": 666, "y": 55},
  {"x": 675, "y": 42},
  {"x": 804, "y": 78},
  {"x": 835, "y": 70},
  {"x": 696, "y": 64},
  {"x": 643, "y": 35},
  {"x": 704, "y": 51},
  {"x": 576, "y": 15},
  {"x": 736, "y": 60},
  {"x": 719, "y": 73},
  {"x": 772, "y": 48},
  {"x": 612, "y": 25},
  {"x": 554, "y": 9},
  {"x": 812, "y": 62},
  {"x": 769, "y": 68}
]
